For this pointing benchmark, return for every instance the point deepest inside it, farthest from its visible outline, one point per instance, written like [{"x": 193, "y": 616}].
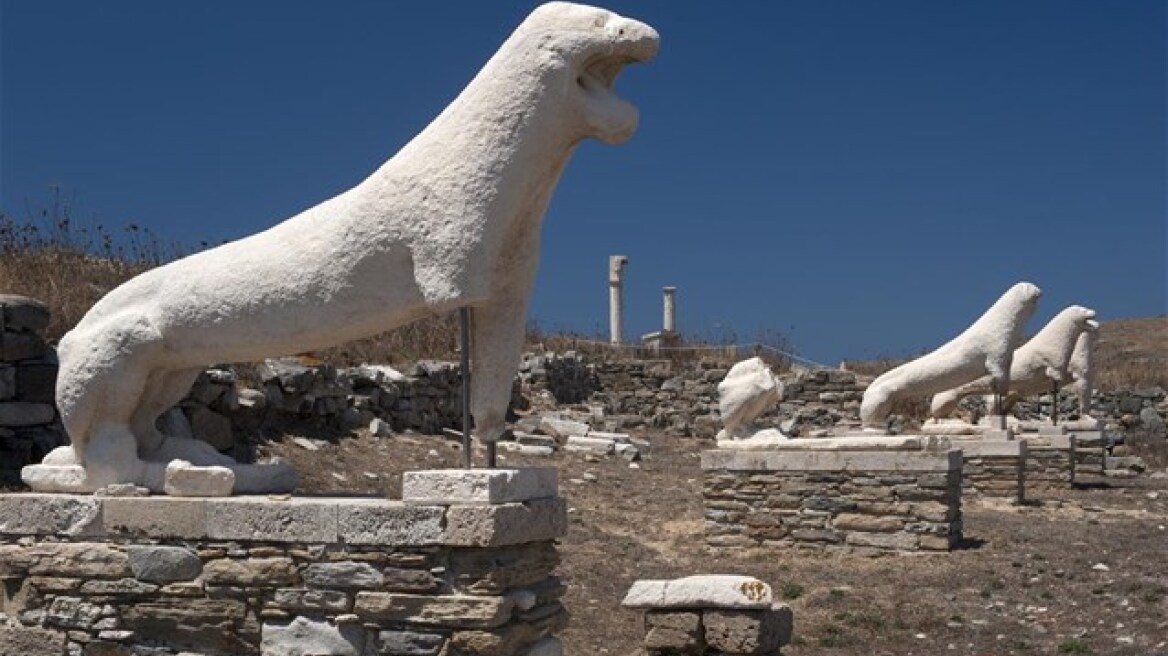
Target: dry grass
[
  {"x": 50, "y": 257},
  {"x": 1132, "y": 353}
]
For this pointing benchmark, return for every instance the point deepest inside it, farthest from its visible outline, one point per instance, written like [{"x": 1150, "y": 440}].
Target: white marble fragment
[
  {"x": 186, "y": 480},
  {"x": 478, "y": 486},
  {"x": 703, "y": 591}
]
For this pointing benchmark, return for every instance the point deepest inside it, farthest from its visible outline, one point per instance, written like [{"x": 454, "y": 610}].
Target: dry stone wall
[
  {"x": 28, "y": 373},
  {"x": 229, "y": 407},
  {"x": 152, "y": 576}
]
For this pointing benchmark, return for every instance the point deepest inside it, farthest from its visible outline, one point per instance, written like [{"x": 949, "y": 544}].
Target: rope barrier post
[{"x": 464, "y": 363}]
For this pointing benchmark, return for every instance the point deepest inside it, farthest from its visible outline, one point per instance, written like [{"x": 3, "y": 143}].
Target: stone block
[
  {"x": 868, "y": 523},
  {"x": 530, "y": 439},
  {"x": 21, "y": 313},
  {"x": 478, "y": 486},
  {"x": 77, "y": 559},
  {"x": 303, "y": 636},
  {"x": 104, "y": 647},
  {"x": 15, "y": 347},
  {"x": 828, "y": 461},
  {"x": 506, "y": 524},
  {"x": 72, "y": 613},
  {"x": 343, "y": 575},
  {"x": 17, "y": 414},
  {"x": 126, "y": 587},
  {"x": 272, "y": 520},
  {"x": 409, "y": 643},
  {"x": 704, "y": 591},
  {"x": 494, "y": 571},
  {"x": 748, "y": 631},
  {"x": 17, "y": 640},
  {"x": 49, "y": 514},
  {"x": 156, "y": 517},
  {"x": 35, "y": 383},
  {"x": 562, "y": 428},
  {"x": 598, "y": 445},
  {"x": 894, "y": 541},
  {"x": 389, "y": 522},
  {"x": 164, "y": 564},
  {"x": 186, "y": 480},
  {"x": 200, "y": 625},
  {"x": 7, "y": 382},
  {"x": 251, "y": 572},
  {"x": 992, "y": 449},
  {"x": 674, "y": 632},
  {"x": 397, "y": 579},
  {"x": 305, "y": 599},
  {"x": 454, "y": 611}
]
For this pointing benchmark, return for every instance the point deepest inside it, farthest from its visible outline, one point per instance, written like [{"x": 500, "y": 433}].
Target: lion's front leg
[{"x": 498, "y": 329}]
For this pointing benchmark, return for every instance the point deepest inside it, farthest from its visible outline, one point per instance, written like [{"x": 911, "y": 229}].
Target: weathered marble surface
[
  {"x": 1040, "y": 365},
  {"x": 986, "y": 348},
  {"x": 452, "y": 220}
]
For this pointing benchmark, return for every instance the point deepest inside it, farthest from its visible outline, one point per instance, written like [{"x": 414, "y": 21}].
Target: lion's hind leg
[{"x": 164, "y": 390}]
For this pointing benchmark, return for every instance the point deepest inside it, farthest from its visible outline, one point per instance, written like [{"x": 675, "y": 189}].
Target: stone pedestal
[
  {"x": 1090, "y": 445},
  {"x": 464, "y": 564},
  {"x": 994, "y": 468},
  {"x": 866, "y": 494},
  {"x": 1050, "y": 460},
  {"x": 711, "y": 615}
]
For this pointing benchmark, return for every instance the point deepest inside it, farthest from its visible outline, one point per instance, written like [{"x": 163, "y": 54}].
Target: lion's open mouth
[{"x": 601, "y": 73}]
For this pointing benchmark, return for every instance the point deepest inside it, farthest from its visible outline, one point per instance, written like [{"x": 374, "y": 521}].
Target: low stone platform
[
  {"x": 715, "y": 615},
  {"x": 841, "y": 496},
  {"x": 994, "y": 468},
  {"x": 283, "y": 576}
]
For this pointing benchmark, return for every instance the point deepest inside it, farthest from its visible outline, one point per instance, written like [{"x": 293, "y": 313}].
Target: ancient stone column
[
  {"x": 669, "y": 318},
  {"x": 616, "y": 271}
]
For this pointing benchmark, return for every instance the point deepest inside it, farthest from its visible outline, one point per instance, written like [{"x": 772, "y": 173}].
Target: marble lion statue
[
  {"x": 986, "y": 348},
  {"x": 1039, "y": 365},
  {"x": 749, "y": 389},
  {"x": 452, "y": 220}
]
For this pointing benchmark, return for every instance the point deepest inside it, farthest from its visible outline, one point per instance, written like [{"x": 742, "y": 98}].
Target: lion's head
[{"x": 585, "y": 48}]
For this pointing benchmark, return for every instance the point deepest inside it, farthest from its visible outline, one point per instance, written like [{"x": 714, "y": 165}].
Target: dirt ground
[{"x": 1081, "y": 571}]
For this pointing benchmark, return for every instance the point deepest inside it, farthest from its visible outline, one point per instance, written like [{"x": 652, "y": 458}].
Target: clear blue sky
[{"x": 866, "y": 176}]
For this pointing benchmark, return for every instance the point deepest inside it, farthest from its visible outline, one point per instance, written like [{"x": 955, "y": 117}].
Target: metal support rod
[
  {"x": 464, "y": 352},
  {"x": 1054, "y": 409}
]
